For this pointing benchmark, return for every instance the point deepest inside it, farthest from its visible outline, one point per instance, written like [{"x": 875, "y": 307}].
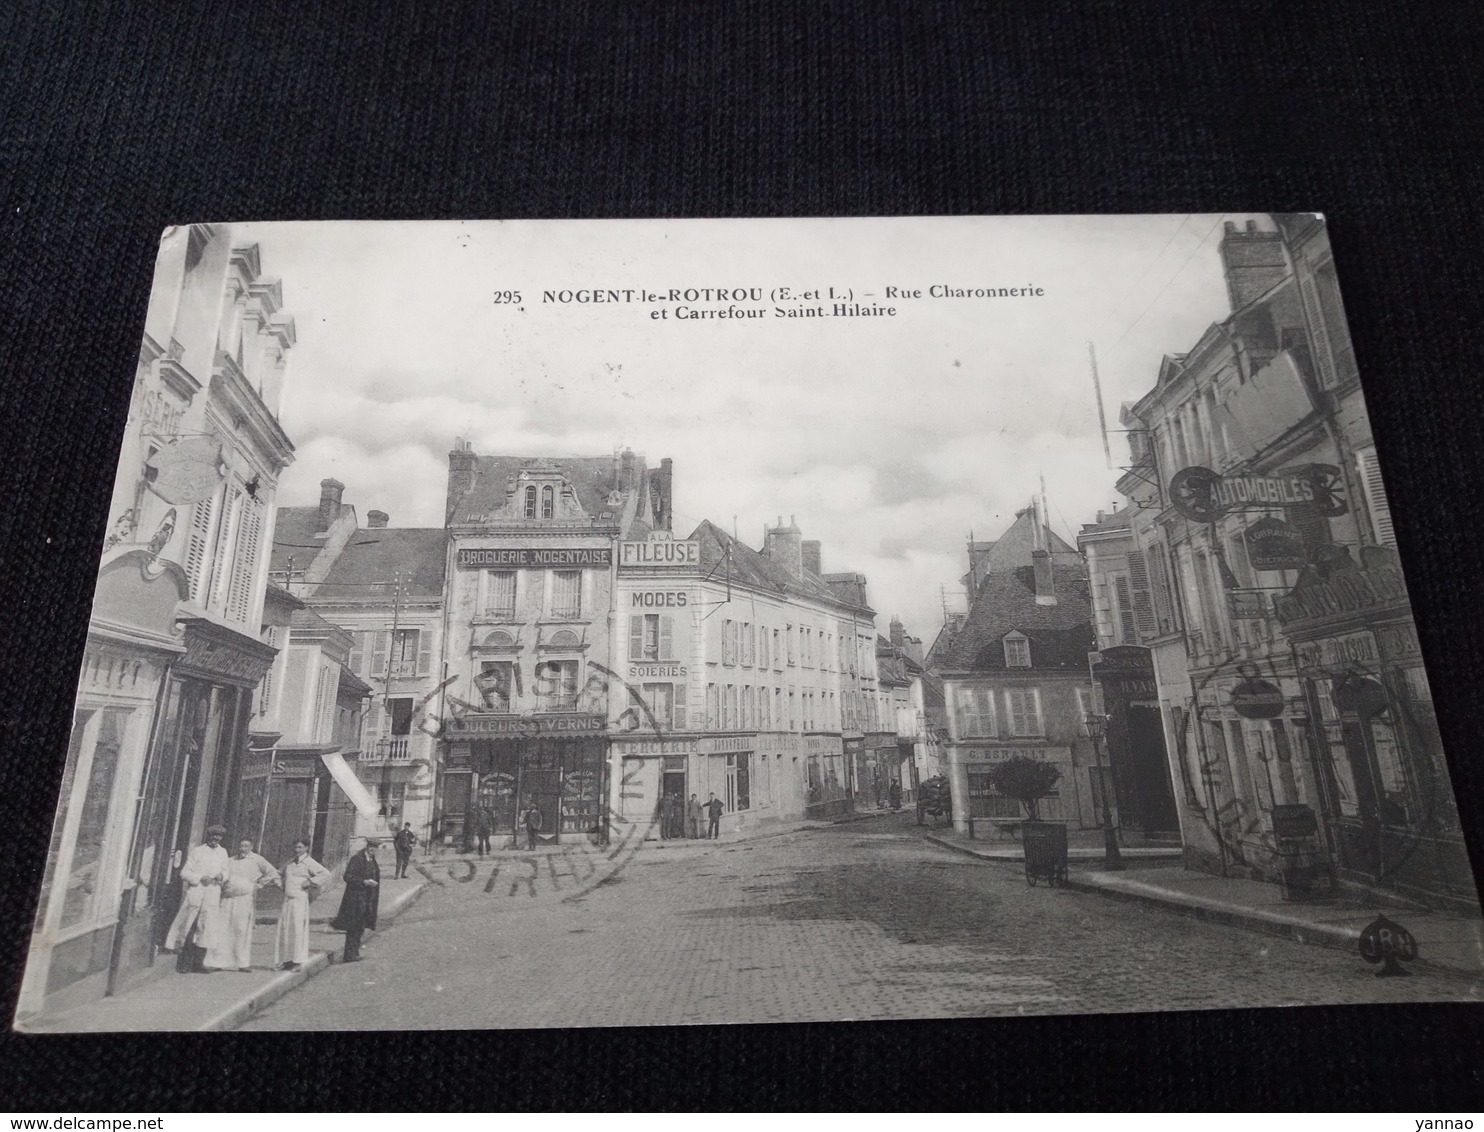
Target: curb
[
  {"x": 1318, "y": 935},
  {"x": 240, "y": 1012}
]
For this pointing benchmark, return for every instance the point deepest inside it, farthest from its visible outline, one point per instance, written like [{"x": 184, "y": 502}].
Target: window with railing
[
  {"x": 556, "y": 685},
  {"x": 496, "y": 684}
]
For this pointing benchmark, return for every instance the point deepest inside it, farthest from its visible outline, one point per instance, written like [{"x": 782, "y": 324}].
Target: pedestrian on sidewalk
[
  {"x": 713, "y": 811},
  {"x": 358, "y": 906},
  {"x": 484, "y": 825},
  {"x": 194, "y": 929},
  {"x": 896, "y": 794},
  {"x": 693, "y": 817},
  {"x": 404, "y": 843},
  {"x": 303, "y": 878},
  {"x": 531, "y": 821},
  {"x": 668, "y": 810},
  {"x": 246, "y": 873}
]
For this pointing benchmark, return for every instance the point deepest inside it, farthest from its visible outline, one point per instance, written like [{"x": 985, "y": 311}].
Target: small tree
[{"x": 1026, "y": 780}]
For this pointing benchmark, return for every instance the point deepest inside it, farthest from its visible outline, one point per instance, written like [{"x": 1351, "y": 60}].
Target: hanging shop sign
[
  {"x": 1248, "y": 604},
  {"x": 1273, "y": 544},
  {"x": 1257, "y": 699},
  {"x": 1203, "y": 495},
  {"x": 1345, "y": 652},
  {"x": 186, "y": 471},
  {"x": 535, "y": 557}
]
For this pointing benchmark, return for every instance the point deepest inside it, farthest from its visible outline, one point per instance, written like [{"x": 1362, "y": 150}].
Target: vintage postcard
[{"x": 648, "y": 623}]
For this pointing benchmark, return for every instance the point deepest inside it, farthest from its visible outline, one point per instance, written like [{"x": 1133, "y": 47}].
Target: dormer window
[
  {"x": 1017, "y": 651},
  {"x": 548, "y": 502},
  {"x": 531, "y": 502}
]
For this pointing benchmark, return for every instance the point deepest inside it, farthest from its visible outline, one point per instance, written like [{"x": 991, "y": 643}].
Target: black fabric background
[{"x": 117, "y": 120}]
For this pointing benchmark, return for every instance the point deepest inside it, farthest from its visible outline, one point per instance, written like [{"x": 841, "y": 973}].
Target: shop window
[
  {"x": 739, "y": 782},
  {"x": 986, "y": 802},
  {"x": 496, "y": 685},
  {"x": 556, "y": 685},
  {"x": 499, "y": 594},
  {"x": 83, "y": 884},
  {"x": 566, "y": 593},
  {"x": 1017, "y": 651},
  {"x": 1023, "y": 708}
]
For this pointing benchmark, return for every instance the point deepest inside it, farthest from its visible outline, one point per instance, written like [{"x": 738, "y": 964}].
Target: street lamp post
[{"x": 1096, "y": 727}]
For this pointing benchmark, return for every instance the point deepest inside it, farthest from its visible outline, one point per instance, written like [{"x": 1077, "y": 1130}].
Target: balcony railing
[{"x": 388, "y": 749}]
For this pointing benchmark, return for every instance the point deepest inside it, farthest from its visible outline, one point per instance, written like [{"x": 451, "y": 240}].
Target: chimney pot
[
  {"x": 1231, "y": 226},
  {"x": 330, "y": 492},
  {"x": 1252, "y": 225},
  {"x": 377, "y": 519}
]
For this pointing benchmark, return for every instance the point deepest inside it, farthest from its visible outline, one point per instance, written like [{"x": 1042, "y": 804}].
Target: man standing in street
[
  {"x": 404, "y": 843},
  {"x": 362, "y": 897},
  {"x": 531, "y": 820},
  {"x": 197, "y": 923},
  {"x": 483, "y": 826},
  {"x": 693, "y": 817},
  {"x": 713, "y": 811},
  {"x": 246, "y": 873},
  {"x": 895, "y": 795}
]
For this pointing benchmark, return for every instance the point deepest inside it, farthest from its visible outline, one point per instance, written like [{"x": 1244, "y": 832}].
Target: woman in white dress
[{"x": 303, "y": 878}]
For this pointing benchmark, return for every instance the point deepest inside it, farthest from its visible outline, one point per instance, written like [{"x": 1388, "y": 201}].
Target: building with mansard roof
[{"x": 1015, "y": 677}]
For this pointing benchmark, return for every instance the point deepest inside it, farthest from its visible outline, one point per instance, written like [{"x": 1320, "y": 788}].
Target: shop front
[
  {"x": 193, "y": 779},
  {"x": 500, "y": 765},
  {"x": 1384, "y": 790},
  {"x": 1136, "y": 752},
  {"x": 828, "y": 764},
  {"x": 985, "y": 803},
  {"x": 131, "y": 641}
]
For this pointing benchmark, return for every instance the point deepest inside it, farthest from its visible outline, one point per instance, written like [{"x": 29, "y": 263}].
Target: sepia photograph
[{"x": 535, "y": 624}]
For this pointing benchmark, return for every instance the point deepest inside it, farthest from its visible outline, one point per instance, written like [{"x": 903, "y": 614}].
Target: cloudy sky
[{"x": 889, "y": 439}]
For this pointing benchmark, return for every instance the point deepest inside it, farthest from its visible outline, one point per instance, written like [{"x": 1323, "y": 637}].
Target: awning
[{"x": 346, "y": 779}]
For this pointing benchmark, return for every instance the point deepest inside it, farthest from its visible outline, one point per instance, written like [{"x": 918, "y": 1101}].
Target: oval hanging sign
[
  {"x": 186, "y": 471},
  {"x": 1257, "y": 699},
  {"x": 1203, "y": 495},
  {"x": 1273, "y": 544}
]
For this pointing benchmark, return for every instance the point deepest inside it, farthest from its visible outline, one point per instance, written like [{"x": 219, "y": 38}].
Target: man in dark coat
[
  {"x": 404, "y": 842},
  {"x": 714, "y": 809},
  {"x": 531, "y": 820},
  {"x": 362, "y": 896}
]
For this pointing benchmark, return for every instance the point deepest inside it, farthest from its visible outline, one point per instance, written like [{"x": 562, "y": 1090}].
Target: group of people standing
[
  {"x": 681, "y": 819},
  {"x": 212, "y": 930},
  {"x": 528, "y": 824}
]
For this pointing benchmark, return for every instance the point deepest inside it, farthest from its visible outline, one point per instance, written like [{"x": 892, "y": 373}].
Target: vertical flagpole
[{"x": 1097, "y": 387}]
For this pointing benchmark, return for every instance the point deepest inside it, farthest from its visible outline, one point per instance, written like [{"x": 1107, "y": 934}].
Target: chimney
[
  {"x": 809, "y": 554},
  {"x": 1045, "y": 582},
  {"x": 661, "y": 486},
  {"x": 461, "y": 471},
  {"x": 330, "y": 492},
  {"x": 898, "y": 633},
  {"x": 783, "y": 545},
  {"x": 1253, "y": 262},
  {"x": 626, "y": 471},
  {"x": 377, "y": 519}
]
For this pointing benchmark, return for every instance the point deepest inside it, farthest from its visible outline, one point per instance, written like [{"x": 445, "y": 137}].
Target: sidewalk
[
  {"x": 1445, "y": 941},
  {"x": 225, "y": 999}
]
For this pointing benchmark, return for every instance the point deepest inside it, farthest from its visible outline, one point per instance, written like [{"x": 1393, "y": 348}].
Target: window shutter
[
  {"x": 226, "y": 532},
  {"x": 378, "y": 657},
  {"x": 1138, "y": 573},
  {"x": 198, "y": 545},
  {"x": 1375, "y": 497},
  {"x": 636, "y": 636},
  {"x": 680, "y": 720},
  {"x": 667, "y": 637},
  {"x": 265, "y": 695},
  {"x": 245, "y": 561},
  {"x": 424, "y": 652},
  {"x": 358, "y": 653}
]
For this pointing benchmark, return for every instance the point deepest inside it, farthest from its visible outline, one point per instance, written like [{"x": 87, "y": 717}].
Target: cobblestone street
[{"x": 857, "y": 921}]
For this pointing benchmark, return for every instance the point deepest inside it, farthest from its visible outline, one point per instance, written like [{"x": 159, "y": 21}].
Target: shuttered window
[
  {"x": 221, "y": 555},
  {"x": 244, "y": 584},
  {"x": 651, "y": 636},
  {"x": 379, "y": 654},
  {"x": 1138, "y": 576},
  {"x": 975, "y": 711},
  {"x": 681, "y": 723},
  {"x": 425, "y": 654},
  {"x": 1375, "y": 497},
  {"x": 1128, "y": 632},
  {"x": 566, "y": 593},
  {"x": 198, "y": 546},
  {"x": 357, "y": 660},
  {"x": 499, "y": 598},
  {"x": 1024, "y": 706}
]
